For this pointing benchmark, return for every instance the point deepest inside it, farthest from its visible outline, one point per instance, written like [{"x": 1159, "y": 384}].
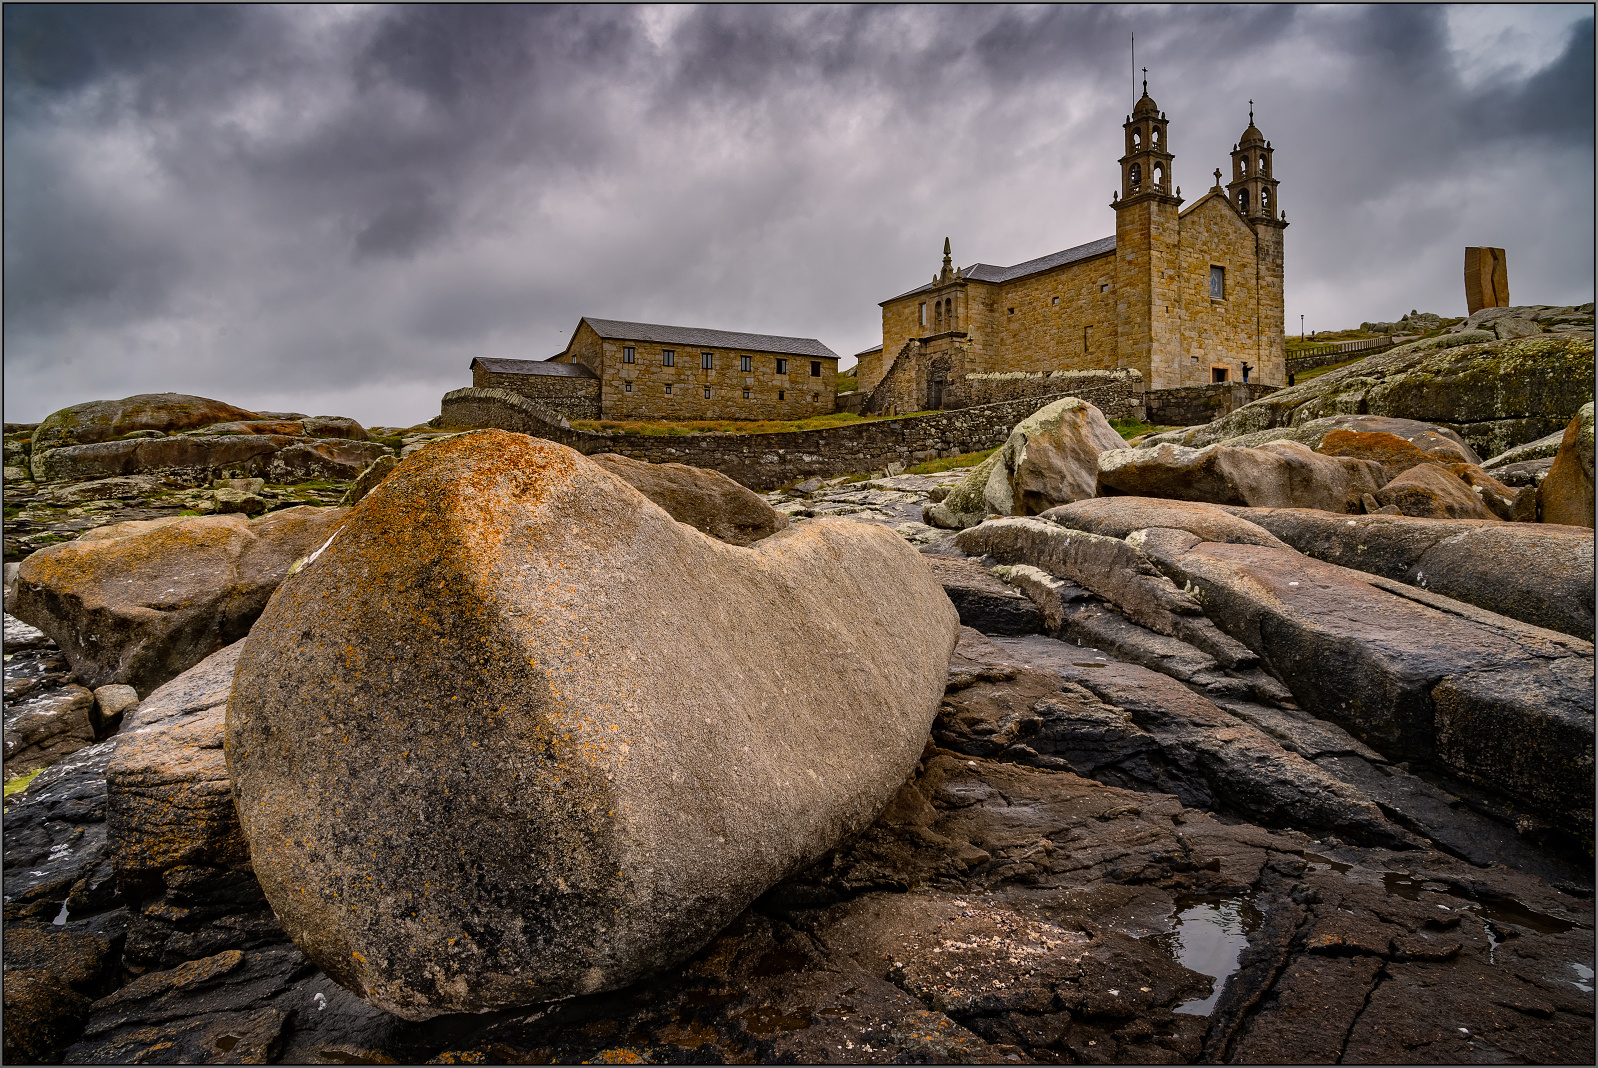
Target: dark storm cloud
[{"x": 335, "y": 209}]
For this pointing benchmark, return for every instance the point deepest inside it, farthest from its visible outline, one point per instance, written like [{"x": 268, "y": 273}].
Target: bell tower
[
  {"x": 1252, "y": 192},
  {"x": 1147, "y": 331},
  {"x": 1252, "y": 189}
]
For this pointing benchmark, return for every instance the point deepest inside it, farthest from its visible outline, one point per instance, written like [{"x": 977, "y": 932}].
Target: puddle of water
[
  {"x": 1208, "y": 937},
  {"x": 1583, "y": 980}
]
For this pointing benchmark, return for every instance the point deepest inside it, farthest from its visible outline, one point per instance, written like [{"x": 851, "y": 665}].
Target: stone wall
[
  {"x": 574, "y": 398},
  {"x": 1118, "y": 394},
  {"x": 1196, "y": 405},
  {"x": 762, "y": 461}
]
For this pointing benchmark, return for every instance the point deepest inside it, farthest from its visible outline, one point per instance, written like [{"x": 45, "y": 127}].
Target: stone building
[
  {"x": 1183, "y": 296},
  {"x": 628, "y": 370}
]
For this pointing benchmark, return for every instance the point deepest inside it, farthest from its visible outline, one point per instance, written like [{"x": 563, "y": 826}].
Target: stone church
[{"x": 1184, "y": 296}]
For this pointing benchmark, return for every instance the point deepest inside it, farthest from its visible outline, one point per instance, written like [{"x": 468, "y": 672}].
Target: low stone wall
[
  {"x": 762, "y": 461},
  {"x": 1118, "y": 394},
  {"x": 1195, "y": 405},
  {"x": 572, "y": 397}
]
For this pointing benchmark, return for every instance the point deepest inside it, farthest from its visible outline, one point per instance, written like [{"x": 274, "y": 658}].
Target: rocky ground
[{"x": 1176, "y": 804}]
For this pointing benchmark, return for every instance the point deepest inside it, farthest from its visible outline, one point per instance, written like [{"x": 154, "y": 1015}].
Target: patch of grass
[
  {"x": 947, "y": 463},
  {"x": 20, "y": 783},
  {"x": 846, "y": 384},
  {"x": 1132, "y": 428},
  {"x": 1304, "y": 376},
  {"x": 664, "y": 428}
]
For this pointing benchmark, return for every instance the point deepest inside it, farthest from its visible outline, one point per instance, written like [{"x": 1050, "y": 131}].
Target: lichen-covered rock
[
  {"x": 1429, "y": 491},
  {"x": 105, "y": 420},
  {"x": 1279, "y": 474},
  {"x": 369, "y": 479},
  {"x": 706, "y": 500},
  {"x": 141, "y": 602},
  {"x": 1051, "y": 457},
  {"x": 516, "y": 734},
  {"x": 329, "y": 458},
  {"x": 1567, "y": 491},
  {"x": 1494, "y": 393}
]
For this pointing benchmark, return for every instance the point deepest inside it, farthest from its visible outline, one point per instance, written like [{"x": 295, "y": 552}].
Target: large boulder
[
  {"x": 42, "y": 728},
  {"x": 706, "y": 500},
  {"x": 1278, "y": 474},
  {"x": 1051, "y": 457},
  {"x": 1567, "y": 491},
  {"x": 516, "y": 734},
  {"x": 967, "y": 503},
  {"x": 324, "y": 458},
  {"x": 1538, "y": 574},
  {"x": 140, "y": 602},
  {"x": 189, "y": 459},
  {"x": 106, "y": 420},
  {"x": 1496, "y": 394},
  {"x": 1429, "y": 491}
]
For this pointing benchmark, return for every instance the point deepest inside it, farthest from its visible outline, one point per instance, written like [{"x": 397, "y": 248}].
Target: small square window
[
  {"x": 1012, "y": 311},
  {"x": 707, "y": 392},
  {"x": 1104, "y": 287},
  {"x": 668, "y": 358},
  {"x": 1217, "y": 286},
  {"x": 706, "y": 361},
  {"x": 628, "y": 386},
  {"x": 815, "y": 396},
  {"x": 629, "y": 354},
  {"x": 668, "y": 387},
  {"x": 1056, "y": 301},
  {"x": 782, "y": 394},
  {"x": 746, "y": 392},
  {"x": 815, "y": 368},
  {"x": 782, "y": 368},
  {"x": 746, "y": 363}
]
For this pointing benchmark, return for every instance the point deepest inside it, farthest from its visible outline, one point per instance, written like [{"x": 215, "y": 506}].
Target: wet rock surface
[{"x": 1119, "y": 846}]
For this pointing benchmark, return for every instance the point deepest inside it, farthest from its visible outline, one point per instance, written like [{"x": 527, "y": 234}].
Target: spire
[
  {"x": 1146, "y": 87},
  {"x": 948, "y": 263},
  {"x": 1251, "y": 113}
]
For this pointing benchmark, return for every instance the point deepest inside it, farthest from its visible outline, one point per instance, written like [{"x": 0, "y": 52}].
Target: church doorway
[{"x": 934, "y": 394}]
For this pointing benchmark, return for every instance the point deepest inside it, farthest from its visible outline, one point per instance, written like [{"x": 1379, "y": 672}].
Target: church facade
[{"x": 1183, "y": 296}]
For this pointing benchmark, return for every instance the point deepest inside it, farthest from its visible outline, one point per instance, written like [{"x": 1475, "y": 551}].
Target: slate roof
[
  {"x": 987, "y": 272},
  {"x": 533, "y": 367},
  {"x": 621, "y": 330}
]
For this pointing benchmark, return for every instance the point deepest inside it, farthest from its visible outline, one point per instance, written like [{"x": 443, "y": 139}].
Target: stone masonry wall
[
  {"x": 1194, "y": 405},
  {"x": 575, "y": 398},
  {"x": 648, "y": 389},
  {"x": 762, "y": 461},
  {"x": 1118, "y": 394}
]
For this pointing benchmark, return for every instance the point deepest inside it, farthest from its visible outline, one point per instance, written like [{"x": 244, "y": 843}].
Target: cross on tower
[
  {"x": 1251, "y": 113},
  {"x": 1145, "y": 81}
]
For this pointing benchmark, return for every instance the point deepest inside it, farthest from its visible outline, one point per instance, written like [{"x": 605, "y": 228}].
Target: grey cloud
[{"x": 330, "y": 199}]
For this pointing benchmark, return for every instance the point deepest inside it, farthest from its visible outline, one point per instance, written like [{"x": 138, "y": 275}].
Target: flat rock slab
[
  {"x": 1538, "y": 573},
  {"x": 984, "y": 602},
  {"x": 1413, "y": 674},
  {"x": 515, "y": 733}
]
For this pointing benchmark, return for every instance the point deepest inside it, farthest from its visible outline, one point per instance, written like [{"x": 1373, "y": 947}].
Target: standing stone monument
[{"x": 1486, "y": 279}]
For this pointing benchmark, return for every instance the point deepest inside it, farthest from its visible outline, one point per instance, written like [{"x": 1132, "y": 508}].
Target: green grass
[
  {"x": 1131, "y": 428},
  {"x": 965, "y": 459},
  {"x": 1304, "y": 376},
  {"x": 20, "y": 783},
  {"x": 846, "y": 384}
]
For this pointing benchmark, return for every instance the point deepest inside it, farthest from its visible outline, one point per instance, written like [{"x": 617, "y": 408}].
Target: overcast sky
[{"x": 333, "y": 210}]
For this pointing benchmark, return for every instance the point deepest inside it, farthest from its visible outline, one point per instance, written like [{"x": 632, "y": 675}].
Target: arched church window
[
  {"x": 1159, "y": 177},
  {"x": 1154, "y": 136},
  {"x": 1137, "y": 139},
  {"x": 1137, "y": 176},
  {"x": 1265, "y": 201},
  {"x": 1242, "y": 201}
]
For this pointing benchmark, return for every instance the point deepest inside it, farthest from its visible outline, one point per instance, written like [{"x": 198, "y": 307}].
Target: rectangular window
[
  {"x": 707, "y": 392},
  {"x": 1012, "y": 311},
  {"x": 668, "y": 358},
  {"x": 629, "y": 386},
  {"x": 815, "y": 368},
  {"x": 746, "y": 392},
  {"x": 815, "y": 397},
  {"x": 1218, "y": 374},
  {"x": 923, "y": 313},
  {"x": 782, "y": 368},
  {"x": 1056, "y": 301},
  {"x": 1218, "y": 288},
  {"x": 705, "y": 360},
  {"x": 746, "y": 363},
  {"x": 782, "y": 394},
  {"x": 1087, "y": 338},
  {"x": 628, "y": 354},
  {"x": 668, "y": 387}
]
